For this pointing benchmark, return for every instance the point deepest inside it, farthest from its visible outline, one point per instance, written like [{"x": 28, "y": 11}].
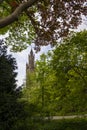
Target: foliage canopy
[
  {"x": 42, "y": 22},
  {"x": 61, "y": 78}
]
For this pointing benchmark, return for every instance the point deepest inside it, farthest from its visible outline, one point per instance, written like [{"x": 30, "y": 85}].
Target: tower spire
[{"x": 31, "y": 62}]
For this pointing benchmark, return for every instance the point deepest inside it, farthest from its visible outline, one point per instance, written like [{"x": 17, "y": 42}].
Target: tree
[
  {"x": 59, "y": 85},
  {"x": 10, "y": 109},
  {"x": 45, "y": 76},
  {"x": 39, "y": 87},
  {"x": 70, "y": 64},
  {"x": 42, "y": 22},
  {"x": 7, "y": 71}
]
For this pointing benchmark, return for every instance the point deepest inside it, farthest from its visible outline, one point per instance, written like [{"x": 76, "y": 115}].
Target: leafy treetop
[{"x": 45, "y": 21}]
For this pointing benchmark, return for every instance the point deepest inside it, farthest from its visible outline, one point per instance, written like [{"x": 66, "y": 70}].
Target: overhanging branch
[{"x": 14, "y": 16}]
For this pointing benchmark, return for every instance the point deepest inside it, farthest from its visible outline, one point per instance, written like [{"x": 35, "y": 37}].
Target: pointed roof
[{"x": 31, "y": 52}]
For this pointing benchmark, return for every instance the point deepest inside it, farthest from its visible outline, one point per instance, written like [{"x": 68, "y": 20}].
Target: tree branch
[{"x": 14, "y": 16}]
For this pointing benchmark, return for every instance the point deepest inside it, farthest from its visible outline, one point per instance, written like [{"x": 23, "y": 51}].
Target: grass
[
  {"x": 63, "y": 124},
  {"x": 69, "y": 124}
]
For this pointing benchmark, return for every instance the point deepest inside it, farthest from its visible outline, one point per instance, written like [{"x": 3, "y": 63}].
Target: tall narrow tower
[
  {"x": 31, "y": 62},
  {"x": 30, "y": 66}
]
